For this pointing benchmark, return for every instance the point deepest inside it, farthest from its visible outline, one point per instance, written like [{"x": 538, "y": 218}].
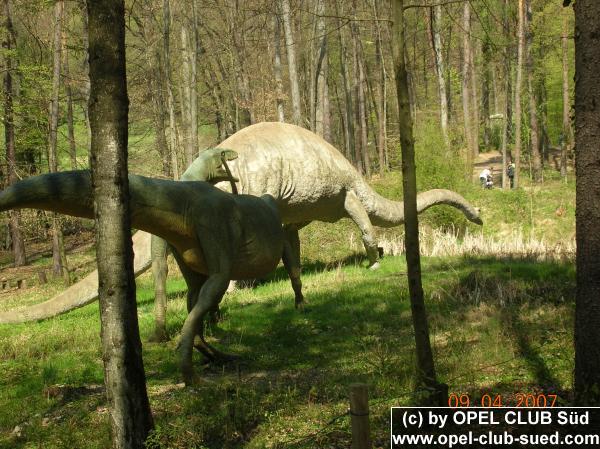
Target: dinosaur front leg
[
  {"x": 159, "y": 272},
  {"x": 359, "y": 215},
  {"x": 291, "y": 261}
]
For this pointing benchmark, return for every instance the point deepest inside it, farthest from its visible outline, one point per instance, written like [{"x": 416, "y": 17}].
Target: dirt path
[{"x": 491, "y": 159}]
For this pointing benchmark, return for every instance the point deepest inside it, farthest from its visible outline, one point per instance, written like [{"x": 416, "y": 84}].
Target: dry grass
[{"x": 440, "y": 243}]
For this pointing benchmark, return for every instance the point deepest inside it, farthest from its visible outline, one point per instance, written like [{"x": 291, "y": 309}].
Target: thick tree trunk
[
  {"x": 587, "y": 134},
  {"x": 59, "y": 265},
  {"x": 8, "y": 44},
  {"x": 518, "y": 86},
  {"x": 130, "y": 415},
  {"x": 567, "y": 133},
  {"x": 425, "y": 366},
  {"x": 291, "y": 56},
  {"x": 536, "y": 160},
  {"x": 277, "y": 68}
]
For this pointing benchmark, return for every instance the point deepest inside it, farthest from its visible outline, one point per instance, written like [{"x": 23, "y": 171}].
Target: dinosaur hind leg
[
  {"x": 359, "y": 215},
  {"x": 210, "y": 294},
  {"x": 291, "y": 261}
]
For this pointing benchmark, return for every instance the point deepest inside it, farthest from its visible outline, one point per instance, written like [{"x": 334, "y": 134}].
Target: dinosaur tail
[
  {"x": 69, "y": 193},
  {"x": 387, "y": 213}
]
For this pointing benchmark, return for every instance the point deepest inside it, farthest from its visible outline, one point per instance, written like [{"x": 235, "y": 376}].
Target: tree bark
[
  {"x": 485, "y": 92},
  {"x": 291, "y": 56},
  {"x": 536, "y": 160},
  {"x": 277, "y": 68},
  {"x": 587, "y": 134},
  {"x": 381, "y": 93},
  {"x": 169, "y": 86},
  {"x": 440, "y": 69},
  {"x": 9, "y": 44},
  {"x": 425, "y": 366},
  {"x": 130, "y": 416},
  {"x": 474, "y": 100},
  {"x": 466, "y": 85},
  {"x": 361, "y": 122},
  {"x": 59, "y": 258},
  {"x": 349, "y": 107},
  {"x": 567, "y": 133},
  {"x": 518, "y": 85},
  {"x": 69, "y": 93}
]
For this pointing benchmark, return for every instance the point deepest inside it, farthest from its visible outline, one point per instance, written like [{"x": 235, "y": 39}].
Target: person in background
[
  {"x": 483, "y": 176},
  {"x": 510, "y": 172}
]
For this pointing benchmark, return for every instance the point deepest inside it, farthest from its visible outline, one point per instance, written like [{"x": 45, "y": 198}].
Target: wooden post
[{"x": 359, "y": 416}]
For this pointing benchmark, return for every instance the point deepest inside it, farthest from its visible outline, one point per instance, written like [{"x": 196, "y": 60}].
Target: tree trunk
[
  {"x": 277, "y": 68},
  {"x": 160, "y": 114},
  {"x": 425, "y": 366},
  {"x": 130, "y": 416},
  {"x": 518, "y": 84},
  {"x": 536, "y": 160},
  {"x": 567, "y": 133},
  {"x": 86, "y": 70},
  {"x": 169, "y": 86},
  {"x": 466, "y": 85},
  {"x": 474, "y": 99},
  {"x": 587, "y": 117},
  {"x": 8, "y": 44},
  {"x": 69, "y": 93},
  {"x": 440, "y": 69},
  {"x": 291, "y": 56},
  {"x": 320, "y": 98},
  {"x": 361, "y": 121},
  {"x": 186, "y": 96},
  {"x": 485, "y": 93},
  {"x": 381, "y": 93},
  {"x": 59, "y": 265},
  {"x": 349, "y": 109}
]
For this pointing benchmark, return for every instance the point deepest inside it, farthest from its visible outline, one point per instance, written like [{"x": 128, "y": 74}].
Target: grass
[{"x": 496, "y": 326}]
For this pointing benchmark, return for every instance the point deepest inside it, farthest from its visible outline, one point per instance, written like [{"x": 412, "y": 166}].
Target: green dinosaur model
[
  {"x": 309, "y": 179},
  {"x": 214, "y": 236}
]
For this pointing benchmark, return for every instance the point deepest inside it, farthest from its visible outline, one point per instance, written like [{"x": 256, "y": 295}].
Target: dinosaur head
[{"x": 208, "y": 166}]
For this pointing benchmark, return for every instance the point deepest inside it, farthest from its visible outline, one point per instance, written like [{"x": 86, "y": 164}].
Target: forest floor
[{"x": 500, "y": 302}]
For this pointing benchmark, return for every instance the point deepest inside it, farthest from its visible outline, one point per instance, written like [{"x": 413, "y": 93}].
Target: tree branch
[{"x": 424, "y": 5}]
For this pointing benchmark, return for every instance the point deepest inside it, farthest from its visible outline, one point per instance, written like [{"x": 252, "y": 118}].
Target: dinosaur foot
[
  {"x": 374, "y": 266},
  {"x": 214, "y": 355},
  {"x": 299, "y": 304}
]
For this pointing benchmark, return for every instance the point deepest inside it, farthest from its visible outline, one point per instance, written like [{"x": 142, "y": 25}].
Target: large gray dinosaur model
[
  {"x": 309, "y": 179},
  {"x": 214, "y": 236}
]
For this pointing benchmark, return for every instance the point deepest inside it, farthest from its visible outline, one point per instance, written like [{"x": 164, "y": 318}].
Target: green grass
[{"x": 497, "y": 326}]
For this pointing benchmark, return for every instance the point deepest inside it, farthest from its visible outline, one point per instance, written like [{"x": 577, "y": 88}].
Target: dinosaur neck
[
  {"x": 387, "y": 213},
  {"x": 69, "y": 193},
  {"x": 151, "y": 202}
]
